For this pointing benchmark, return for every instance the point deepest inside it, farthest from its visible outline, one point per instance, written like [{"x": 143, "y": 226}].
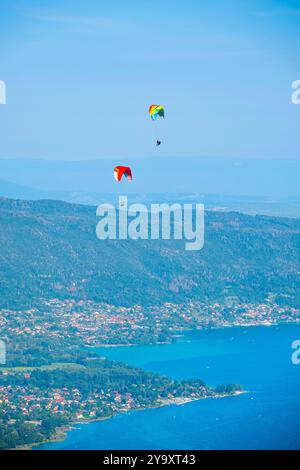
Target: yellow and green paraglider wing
[{"x": 156, "y": 110}]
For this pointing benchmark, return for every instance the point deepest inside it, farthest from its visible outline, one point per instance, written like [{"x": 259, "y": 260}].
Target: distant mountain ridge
[
  {"x": 49, "y": 249},
  {"x": 282, "y": 207},
  {"x": 12, "y": 190},
  {"x": 205, "y": 175}
]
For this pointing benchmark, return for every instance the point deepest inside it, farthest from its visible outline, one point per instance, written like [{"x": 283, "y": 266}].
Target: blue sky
[{"x": 81, "y": 75}]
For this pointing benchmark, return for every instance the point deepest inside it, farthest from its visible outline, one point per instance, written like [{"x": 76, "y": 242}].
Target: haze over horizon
[{"x": 236, "y": 177}]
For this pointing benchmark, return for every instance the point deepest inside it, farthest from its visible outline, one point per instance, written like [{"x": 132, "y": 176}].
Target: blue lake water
[{"x": 268, "y": 417}]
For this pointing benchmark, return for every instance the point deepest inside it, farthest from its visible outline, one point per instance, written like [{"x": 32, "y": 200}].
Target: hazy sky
[{"x": 80, "y": 76}]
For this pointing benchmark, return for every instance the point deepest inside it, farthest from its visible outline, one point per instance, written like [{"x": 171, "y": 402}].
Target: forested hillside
[{"x": 50, "y": 249}]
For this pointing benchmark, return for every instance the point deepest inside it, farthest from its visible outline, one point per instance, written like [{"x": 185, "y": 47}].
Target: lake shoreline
[
  {"x": 61, "y": 432},
  {"x": 216, "y": 415},
  {"x": 187, "y": 330}
]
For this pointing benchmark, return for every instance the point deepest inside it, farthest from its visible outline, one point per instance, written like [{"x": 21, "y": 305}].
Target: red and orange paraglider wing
[{"x": 119, "y": 171}]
